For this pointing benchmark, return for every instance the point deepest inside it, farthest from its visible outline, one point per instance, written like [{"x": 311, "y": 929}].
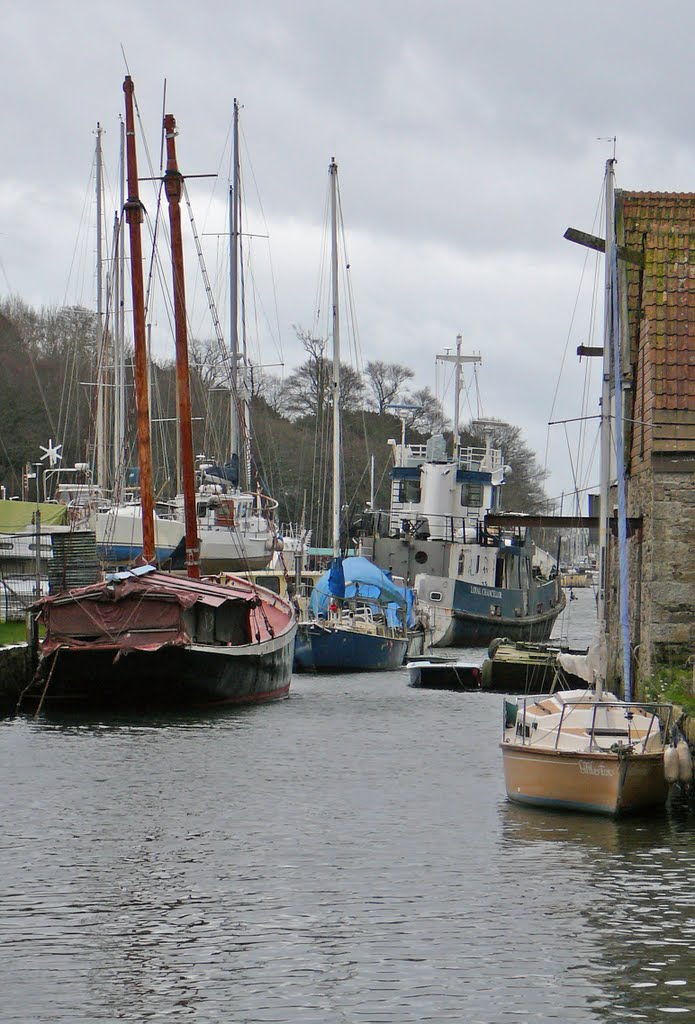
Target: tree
[
  {"x": 523, "y": 490},
  {"x": 427, "y": 415},
  {"x": 308, "y": 391},
  {"x": 386, "y": 380}
]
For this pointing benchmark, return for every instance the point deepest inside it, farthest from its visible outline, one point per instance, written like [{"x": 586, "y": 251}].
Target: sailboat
[
  {"x": 475, "y": 582},
  {"x": 235, "y": 524},
  {"x": 144, "y": 636},
  {"x": 348, "y": 627},
  {"x": 584, "y": 749}
]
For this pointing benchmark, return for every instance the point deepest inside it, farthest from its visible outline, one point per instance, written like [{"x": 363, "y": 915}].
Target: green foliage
[
  {"x": 673, "y": 683},
  {"x": 12, "y": 633}
]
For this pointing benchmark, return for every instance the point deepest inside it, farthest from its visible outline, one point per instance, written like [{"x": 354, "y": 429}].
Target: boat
[
  {"x": 433, "y": 673},
  {"x": 358, "y": 619},
  {"x": 236, "y": 529},
  {"x": 475, "y": 582},
  {"x": 585, "y": 749},
  {"x": 348, "y": 626},
  {"x": 521, "y": 667},
  {"x": 144, "y": 636}
]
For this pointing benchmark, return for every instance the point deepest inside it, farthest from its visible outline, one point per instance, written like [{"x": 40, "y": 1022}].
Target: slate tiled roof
[{"x": 661, "y": 304}]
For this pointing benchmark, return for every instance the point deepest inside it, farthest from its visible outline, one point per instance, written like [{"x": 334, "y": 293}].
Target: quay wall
[{"x": 16, "y": 670}]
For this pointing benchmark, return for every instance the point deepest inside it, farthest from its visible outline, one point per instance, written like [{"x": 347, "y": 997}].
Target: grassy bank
[
  {"x": 674, "y": 684},
  {"x": 12, "y": 633}
]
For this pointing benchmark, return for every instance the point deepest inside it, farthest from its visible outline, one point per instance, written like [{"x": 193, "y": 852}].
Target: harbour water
[{"x": 346, "y": 855}]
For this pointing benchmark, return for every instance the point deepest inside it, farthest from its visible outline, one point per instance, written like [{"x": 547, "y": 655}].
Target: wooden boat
[
  {"x": 584, "y": 749},
  {"x": 352, "y": 632},
  {"x": 519, "y": 667},
  {"x": 433, "y": 673},
  {"x": 582, "y": 752},
  {"x": 144, "y": 636},
  {"x": 147, "y": 637}
]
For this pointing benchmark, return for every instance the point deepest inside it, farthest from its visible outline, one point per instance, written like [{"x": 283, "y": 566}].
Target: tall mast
[
  {"x": 236, "y": 445},
  {"x": 605, "y": 422},
  {"x": 134, "y": 212},
  {"x": 119, "y": 347},
  {"x": 173, "y": 183},
  {"x": 333, "y": 171},
  {"x": 612, "y": 373},
  {"x": 101, "y": 340}
]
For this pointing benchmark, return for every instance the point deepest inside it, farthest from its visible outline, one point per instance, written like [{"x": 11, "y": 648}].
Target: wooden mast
[
  {"x": 134, "y": 216},
  {"x": 173, "y": 184}
]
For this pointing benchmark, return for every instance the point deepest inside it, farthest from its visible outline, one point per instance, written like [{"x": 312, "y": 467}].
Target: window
[
  {"x": 409, "y": 492},
  {"x": 435, "y": 595},
  {"x": 471, "y": 494}
]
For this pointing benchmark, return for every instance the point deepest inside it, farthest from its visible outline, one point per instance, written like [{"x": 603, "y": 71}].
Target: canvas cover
[
  {"x": 17, "y": 515},
  {"x": 363, "y": 580}
]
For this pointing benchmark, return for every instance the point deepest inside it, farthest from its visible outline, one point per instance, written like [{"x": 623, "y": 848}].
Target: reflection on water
[{"x": 346, "y": 855}]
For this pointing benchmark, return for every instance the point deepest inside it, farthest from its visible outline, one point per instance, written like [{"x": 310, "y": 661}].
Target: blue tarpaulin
[{"x": 366, "y": 582}]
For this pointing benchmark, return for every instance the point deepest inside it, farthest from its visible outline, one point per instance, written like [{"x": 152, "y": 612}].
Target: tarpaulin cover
[
  {"x": 16, "y": 515},
  {"x": 138, "y": 612},
  {"x": 368, "y": 583}
]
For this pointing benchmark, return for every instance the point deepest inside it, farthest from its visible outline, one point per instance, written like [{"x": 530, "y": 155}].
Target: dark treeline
[{"x": 48, "y": 392}]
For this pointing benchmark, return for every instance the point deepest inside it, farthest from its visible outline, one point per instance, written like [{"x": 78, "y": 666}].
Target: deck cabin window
[
  {"x": 409, "y": 492},
  {"x": 471, "y": 494}
]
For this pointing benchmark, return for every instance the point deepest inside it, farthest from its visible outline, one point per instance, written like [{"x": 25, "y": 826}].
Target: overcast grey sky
[{"x": 467, "y": 138}]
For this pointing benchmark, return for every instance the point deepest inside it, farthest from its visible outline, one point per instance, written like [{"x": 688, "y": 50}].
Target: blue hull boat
[{"x": 322, "y": 647}]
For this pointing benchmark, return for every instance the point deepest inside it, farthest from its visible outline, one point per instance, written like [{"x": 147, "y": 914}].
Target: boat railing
[
  {"x": 473, "y": 458},
  {"x": 660, "y": 718},
  {"x": 401, "y": 522}
]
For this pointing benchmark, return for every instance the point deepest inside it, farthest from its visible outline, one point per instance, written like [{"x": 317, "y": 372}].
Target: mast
[
  {"x": 333, "y": 171},
  {"x": 134, "y": 212},
  {"x": 458, "y": 361},
  {"x": 101, "y": 340},
  {"x": 612, "y": 372},
  {"x": 236, "y": 445},
  {"x": 119, "y": 347},
  {"x": 173, "y": 183}
]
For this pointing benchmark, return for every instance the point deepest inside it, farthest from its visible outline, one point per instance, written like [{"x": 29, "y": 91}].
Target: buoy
[
  {"x": 671, "y": 764},
  {"x": 685, "y": 762}
]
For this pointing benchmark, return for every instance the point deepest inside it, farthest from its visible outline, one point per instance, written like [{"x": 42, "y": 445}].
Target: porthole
[
  {"x": 421, "y": 557},
  {"x": 435, "y": 595}
]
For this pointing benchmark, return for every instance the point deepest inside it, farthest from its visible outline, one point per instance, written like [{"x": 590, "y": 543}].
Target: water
[{"x": 347, "y": 855}]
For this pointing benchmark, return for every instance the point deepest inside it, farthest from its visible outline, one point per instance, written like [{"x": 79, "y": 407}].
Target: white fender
[
  {"x": 685, "y": 762},
  {"x": 671, "y": 765}
]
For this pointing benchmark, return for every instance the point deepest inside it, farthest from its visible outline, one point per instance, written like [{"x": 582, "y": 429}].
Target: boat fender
[
  {"x": 494, "y": 644},
  {"x": 671, "y": 764},
  {"x": 486, "y": 675},
  {"x": 685, "y": 762}
]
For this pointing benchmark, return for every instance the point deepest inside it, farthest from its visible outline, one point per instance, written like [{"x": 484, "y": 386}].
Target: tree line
[{"x": 48, "y": 391}]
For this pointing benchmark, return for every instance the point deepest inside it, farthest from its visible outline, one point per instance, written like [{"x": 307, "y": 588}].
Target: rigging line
[
  {"x": 570, "y": 329},
  {"x": 249, "y": 163}
]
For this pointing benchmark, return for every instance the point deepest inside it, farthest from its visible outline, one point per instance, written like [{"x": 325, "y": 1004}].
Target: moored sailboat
[
  {"x": 354, "y": 633},
  {"x": 143, "y": 636},
  {"x": 586, "y": 750}
]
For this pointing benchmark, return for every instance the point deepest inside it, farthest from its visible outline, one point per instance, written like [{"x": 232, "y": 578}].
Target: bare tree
[
  {"x": 308, "y": 390},
  {"x": 427, "y": 416},
  {"x": 386, "y": 381},
  {"x": 523, "y": 490}
]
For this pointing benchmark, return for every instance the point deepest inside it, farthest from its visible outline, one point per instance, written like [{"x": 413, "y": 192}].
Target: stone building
[{"x": 658, "y": 354}]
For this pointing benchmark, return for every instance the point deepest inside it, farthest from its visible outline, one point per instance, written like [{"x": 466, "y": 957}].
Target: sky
[{"x": 468, "y": 137}]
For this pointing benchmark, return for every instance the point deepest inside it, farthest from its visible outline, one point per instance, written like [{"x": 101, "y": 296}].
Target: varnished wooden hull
[{"x": 600, "y": 783}]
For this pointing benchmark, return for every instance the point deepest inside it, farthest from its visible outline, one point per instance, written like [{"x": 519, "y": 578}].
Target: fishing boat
[
  {"x": 144, "y": 636},
  {"x": 348, "y": 627},
  {"x": 585, "y": 749},
  {"x": 475, "y": 582}
]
